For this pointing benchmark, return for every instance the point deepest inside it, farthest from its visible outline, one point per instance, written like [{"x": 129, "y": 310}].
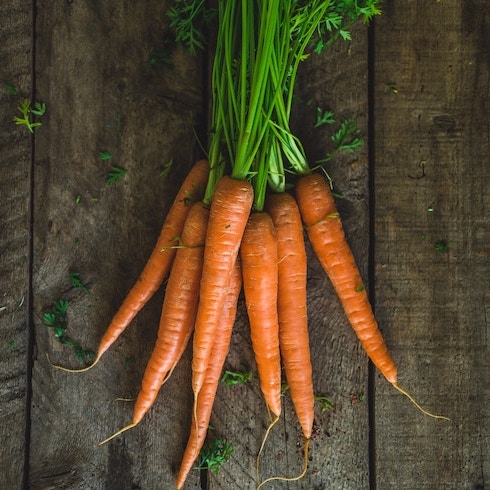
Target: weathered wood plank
[
  {"x": 431, "y": 179},
  {"x": 336, "y": 80},
  {"x": 15, "y": 172},
  {"x": 93, "y": 71}
]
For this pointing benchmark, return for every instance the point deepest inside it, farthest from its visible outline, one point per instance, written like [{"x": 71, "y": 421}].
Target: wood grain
[
  {"x": 93, "y": 71},
  {"x": 15, "y": 188},
  {"x": 432, "y": 173}
]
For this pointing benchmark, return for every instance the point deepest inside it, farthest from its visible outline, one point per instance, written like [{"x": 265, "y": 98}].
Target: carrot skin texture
[
  {"x": 228, "y": 214},
  {"x": 207, "y": 394},
  {"x": 178, "y": 311},
  {"x": 326, "y": 235},
  {"x": 161, "y": 258},
  {"x": 258, "y": 254},
  {"x": 292, "y": 306}
]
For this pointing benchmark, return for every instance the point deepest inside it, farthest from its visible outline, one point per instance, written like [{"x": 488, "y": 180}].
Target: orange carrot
[
  {"x": 179, "y": 308},
  {"x": 229, "y": 211},
  {"x": 207, "y": 394},
  {"x": 291, "y": 304},
  {"x": 160, "y": 260},
  {"x": 178, "y": 312},
  {"x": 327, "y": 238},
  {"x": 258, "y": 253},
  {"x": 324, "y": 227}
]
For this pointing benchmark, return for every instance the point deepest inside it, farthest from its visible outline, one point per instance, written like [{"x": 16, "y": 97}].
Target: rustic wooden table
[{"x": 417, "y": 84}]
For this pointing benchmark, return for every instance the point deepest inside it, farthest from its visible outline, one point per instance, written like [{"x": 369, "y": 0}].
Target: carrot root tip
[
  {"x": 292, "y": 478},
  {"x": 68, "y": 370},
  {"x": 412, "y": 399},
  {"x": 120, "y": 431}
]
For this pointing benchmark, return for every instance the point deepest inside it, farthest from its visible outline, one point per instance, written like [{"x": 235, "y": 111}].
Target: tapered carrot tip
[
  {"x": 68, "y": 370},
  {"x": 412, "y": 399},
  {"x": 291, "y": 478},
  {"x": 119, "y": 432}
]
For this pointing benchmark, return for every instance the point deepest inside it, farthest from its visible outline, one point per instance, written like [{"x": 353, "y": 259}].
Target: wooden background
[{"x": 417, "y": 85}]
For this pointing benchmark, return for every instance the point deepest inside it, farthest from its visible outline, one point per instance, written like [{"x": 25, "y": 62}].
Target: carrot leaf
[
  {"x": 26, "y": 110},
  {"x": 76, "y": 282},
  {"x": 340, "y": 17},
  {"x": 441, "y": 246},
  {"x": 166, "y": 167},
  {"x": 105, "y": 155},
  {"x": 115, "y": 174},
  {"x": 324, "y": 402},
  {"x": 324, "y": 117},
  {"x": 55, "y": 319},
  {"x": 214, "y": 454},
  {"x": 11, "y": 89},
  {"x": 347, "y": 137},
  {"x": 189, "y": 19},
  {"x": 232, "y": 378},
  {"x": 39, "y": 108}
]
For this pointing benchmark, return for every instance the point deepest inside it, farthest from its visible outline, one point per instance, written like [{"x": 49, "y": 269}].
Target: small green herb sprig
[
  {"x": 214, "y": 454},
  {"x": 76, "y": 282},
  {"x": 323, "y": 117},
  {"x": 346, "y": 138},
  {"x": 233, "y": 378},
  {"x": 11, "y": 89},
  {"x": 190, "y": 19},
  {"x": 105, "y": 155},
  {"x": 324, "y": 402},
  {"x": 115, "y": 174},
  {"x": 340, "y": 17},
  {"x": 26, "y": 111},
  {"x": 56, "y": 320},
  {"x": 441, "y": 246},
  {"x": 166, "y": 168}
]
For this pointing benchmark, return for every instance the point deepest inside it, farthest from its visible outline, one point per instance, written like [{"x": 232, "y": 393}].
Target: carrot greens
[
  {"x": 55, "y": 319},
  {"x": 25, "y": 109},
  {"x": 259, "y": 48},
  {"x": 189, "y": 19},
  {"x": 214, "y": 454},
  {"x": 115, "y": 174},
  {"x": 76, "y": 282},
  {"x": 232, "y": 378}
]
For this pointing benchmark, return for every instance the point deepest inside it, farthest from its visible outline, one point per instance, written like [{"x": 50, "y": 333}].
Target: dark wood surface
[
  {"x": 431, "y": 178},
  {"x": 418, "y": 87}
]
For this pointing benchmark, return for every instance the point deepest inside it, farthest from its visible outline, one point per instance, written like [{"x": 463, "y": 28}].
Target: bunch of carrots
[{"x": 238, "y": 222}]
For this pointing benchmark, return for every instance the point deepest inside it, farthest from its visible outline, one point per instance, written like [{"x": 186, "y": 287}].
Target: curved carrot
[
  {"x": 160, "y": 260},
  {"x": 178, "y": 312},
  {"x": 207, "y": 394},
  {"x": 228, "y": 214},
  {"x": 179, "y": 308},
  {"x": 327, "y": 238},
  {"x": 291, "y": 305},
  {"x": 322, "y": 220},
  {"x": 258, "y": 254}
]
